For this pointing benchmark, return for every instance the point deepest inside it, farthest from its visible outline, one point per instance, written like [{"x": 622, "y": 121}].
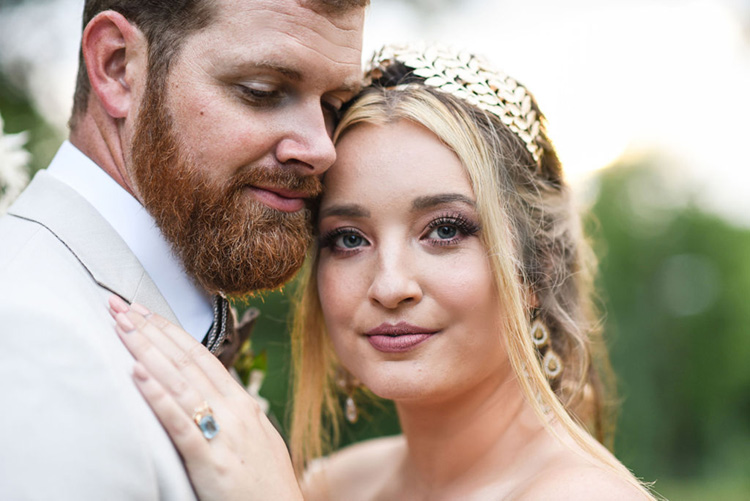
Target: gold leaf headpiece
[{"x": 469, "y": 78}]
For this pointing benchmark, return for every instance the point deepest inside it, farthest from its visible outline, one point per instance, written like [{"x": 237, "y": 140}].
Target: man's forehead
[
  {"x": 286, "y": 37},
  {"x": 269, "y": 22},
  {"x": 297, "y": 11}
]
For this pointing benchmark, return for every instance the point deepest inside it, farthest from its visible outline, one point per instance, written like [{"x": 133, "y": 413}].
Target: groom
[{"x": 199, "y": 132}]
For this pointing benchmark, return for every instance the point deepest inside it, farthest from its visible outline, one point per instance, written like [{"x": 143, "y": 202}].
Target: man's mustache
[{"x": 281, "y": 178}]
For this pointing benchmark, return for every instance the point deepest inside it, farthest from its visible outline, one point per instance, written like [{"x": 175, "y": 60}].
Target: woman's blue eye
[
  {"x": 451, "y": 229},
  {"x": 446, "y": 232},
  {"x": 343, "y": 240},
  {"x": 350, "y": 241}
]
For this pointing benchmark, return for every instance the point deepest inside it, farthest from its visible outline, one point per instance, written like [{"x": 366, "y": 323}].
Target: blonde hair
[{"x": 540, "y": 261}]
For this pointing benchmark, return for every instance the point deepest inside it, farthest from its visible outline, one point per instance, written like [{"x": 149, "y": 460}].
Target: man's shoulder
[
  {"x": 50, "y": 303},
  {"x": 26, "y": 239},
  {"x": 49, "y": 219},
  {"x": 66, "y": 375},
  {"x": 31, "y": 256},
  {"x": 48, "y": 298},
  {"x": 16, "y": 234}
]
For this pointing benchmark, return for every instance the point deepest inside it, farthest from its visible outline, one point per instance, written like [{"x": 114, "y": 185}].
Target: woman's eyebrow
[
  {"x": 426, "y": 202},
  {"x": 345, "y": 210}
]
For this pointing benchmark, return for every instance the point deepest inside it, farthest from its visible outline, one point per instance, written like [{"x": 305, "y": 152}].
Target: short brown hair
[{"x": 166, "y": 24}]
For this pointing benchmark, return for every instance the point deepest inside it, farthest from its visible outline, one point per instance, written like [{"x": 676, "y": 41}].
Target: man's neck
[
  {"x": 190, "y": 304},
  {"x": 100, "y": 141}
]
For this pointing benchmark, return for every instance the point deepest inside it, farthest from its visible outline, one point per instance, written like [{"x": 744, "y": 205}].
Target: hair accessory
[{"x": 469, "y": 78}]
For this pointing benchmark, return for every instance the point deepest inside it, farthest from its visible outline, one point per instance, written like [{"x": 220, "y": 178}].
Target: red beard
[{"x": 226, "y": 241}]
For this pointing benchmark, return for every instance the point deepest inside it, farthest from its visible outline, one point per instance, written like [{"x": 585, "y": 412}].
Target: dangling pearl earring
[
  {"x": 551, "y": 362},
  {"x": 348, "y": 384},
  {"x": 350, "y": 410}
]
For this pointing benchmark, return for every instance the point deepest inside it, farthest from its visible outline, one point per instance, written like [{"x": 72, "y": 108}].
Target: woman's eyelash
[
  {"x": 328, "y": 239},
  {"x": 463, "y": 224}
]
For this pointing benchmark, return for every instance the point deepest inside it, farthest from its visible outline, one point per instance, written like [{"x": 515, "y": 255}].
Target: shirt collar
[{"x": 191, "y": 305}]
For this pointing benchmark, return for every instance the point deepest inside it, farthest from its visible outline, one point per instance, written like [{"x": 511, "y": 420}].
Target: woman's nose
[{"x": 395, "y": 283}]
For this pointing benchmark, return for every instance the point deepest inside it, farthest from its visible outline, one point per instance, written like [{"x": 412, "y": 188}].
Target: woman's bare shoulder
[
  {"x": 579, "y": 482},
  {"x": 359, "y": 469},
  {"x": 561, "y": 469}
]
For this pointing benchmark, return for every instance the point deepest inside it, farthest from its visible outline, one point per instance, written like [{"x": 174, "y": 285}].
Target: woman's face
[{"x": 404, "y": 280}]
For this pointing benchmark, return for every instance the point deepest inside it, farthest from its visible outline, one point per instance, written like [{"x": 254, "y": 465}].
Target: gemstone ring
[{"x": 204, "y": 418}]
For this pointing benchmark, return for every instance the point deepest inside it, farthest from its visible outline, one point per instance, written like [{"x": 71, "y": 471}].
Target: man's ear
[{"x": 115, "y": 54}]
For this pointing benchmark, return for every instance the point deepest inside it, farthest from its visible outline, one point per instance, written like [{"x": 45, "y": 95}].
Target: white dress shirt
[{"x": 191, "y": 305}]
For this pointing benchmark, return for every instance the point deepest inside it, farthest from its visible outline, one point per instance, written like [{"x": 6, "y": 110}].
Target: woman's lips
[
  {"x": 396, "y": 344},
  {"x": 279, "y": 199},
  {"x": 397, "y": 338}
]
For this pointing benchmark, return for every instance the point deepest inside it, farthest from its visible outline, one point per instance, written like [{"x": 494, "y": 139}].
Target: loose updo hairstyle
[{"x": 543, "y": 269}]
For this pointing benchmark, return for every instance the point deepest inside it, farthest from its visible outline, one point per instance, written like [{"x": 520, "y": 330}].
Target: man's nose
[{"x": 307, "y": 145}]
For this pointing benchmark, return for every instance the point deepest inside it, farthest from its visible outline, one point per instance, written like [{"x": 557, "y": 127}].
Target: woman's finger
[
  {"x": 153, "y": 332},
  {"x": 247, "y": 459},
  {"x": 185, "y": 351},
  {"x": 189, "y": 388},
  {"x": 181, "y": 348},
  {"x": 185, "y": 434}
]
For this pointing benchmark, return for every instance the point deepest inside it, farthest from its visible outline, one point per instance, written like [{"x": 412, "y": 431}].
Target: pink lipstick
[{"x": 397, "y": 338}]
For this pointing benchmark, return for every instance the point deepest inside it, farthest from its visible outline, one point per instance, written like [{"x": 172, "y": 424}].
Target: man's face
[{"x": 227, "y": 155}]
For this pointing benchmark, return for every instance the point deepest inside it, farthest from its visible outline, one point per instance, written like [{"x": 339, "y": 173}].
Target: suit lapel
[{"x": 110, "y": 262}]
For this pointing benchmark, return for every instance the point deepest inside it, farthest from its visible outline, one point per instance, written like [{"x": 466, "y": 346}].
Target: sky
[{"x": 617, "y": 79}]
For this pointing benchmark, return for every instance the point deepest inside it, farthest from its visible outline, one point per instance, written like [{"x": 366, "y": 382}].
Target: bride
[{"x": 450, "y": 276}]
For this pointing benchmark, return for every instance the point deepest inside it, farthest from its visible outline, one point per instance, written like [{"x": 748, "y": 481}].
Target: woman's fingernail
[
  {"x": 140, "y": 372},
  {"x": 124, "y": 322},
  {"x": 117, "y": 304},
  {"x": 139, "y": 308}
]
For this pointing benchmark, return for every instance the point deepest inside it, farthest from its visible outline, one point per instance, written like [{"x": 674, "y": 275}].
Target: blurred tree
[
  {"x": 10, "y": 3},
  {"x": 675, "y": 281},
  {"x": 19, "y": 115}
]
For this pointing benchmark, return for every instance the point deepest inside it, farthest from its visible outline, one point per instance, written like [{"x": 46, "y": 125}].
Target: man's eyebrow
[
  {"x": 345, "y": 210},
  {"x": 427, "y": 202},
  {"x": 351, "y": 86},
  {"x": 290, "y": 73}
]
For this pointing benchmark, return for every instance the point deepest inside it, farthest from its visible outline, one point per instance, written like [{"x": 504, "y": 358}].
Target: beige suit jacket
[{"x": 72, "y": 424}]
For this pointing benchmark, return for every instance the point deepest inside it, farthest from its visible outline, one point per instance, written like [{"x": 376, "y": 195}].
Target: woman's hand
[{"x": 247, "y": 459}]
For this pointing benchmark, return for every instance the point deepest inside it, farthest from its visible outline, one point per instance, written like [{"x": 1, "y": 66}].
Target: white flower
[
  {"x": 253, "y": 388},
  {"x": 14, "y": 161}
]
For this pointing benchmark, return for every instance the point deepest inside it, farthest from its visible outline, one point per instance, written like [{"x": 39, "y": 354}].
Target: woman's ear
[
  {"x": 115, "y": 54},
  {"x": 532, "y": 301}
]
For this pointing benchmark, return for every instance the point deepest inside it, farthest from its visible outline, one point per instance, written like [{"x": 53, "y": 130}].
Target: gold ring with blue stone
[{"x": 204, "y": 418}]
